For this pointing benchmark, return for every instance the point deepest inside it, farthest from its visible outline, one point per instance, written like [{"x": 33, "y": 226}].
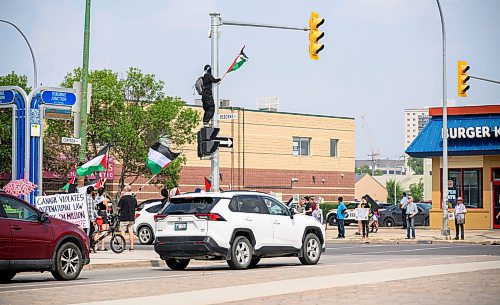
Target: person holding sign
[
  {"x": 411, "y": 211},
  {"x": 364, "y": 215}
]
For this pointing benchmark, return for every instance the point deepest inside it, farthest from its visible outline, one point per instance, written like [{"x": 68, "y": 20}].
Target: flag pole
[{"x": 146, "y": 183}]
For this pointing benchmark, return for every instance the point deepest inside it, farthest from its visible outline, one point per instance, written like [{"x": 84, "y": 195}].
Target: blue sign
[
  {"x": 59, "y": 98},
  {"x": 6, "y": 97}
]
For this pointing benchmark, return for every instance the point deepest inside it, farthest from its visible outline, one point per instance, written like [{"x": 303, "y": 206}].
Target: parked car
[
  {"x": 144, "y": 226},
  {"x": 141, "y": 205},
  {"x": 240, "y": 227},
  {"x": 31, "y": 240},
  {"x": 392, "y": 216},
  {"x": 331, "y": 216}
]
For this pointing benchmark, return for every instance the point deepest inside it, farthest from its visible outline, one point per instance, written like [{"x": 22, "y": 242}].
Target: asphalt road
[{"x": 339, "y": 259}]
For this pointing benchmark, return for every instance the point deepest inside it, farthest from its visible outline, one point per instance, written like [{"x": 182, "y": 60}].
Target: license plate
[{"x": 180, "y": 226}]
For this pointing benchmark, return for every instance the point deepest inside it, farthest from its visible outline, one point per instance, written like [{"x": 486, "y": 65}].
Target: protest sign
[
  {"x": 69, "y": 207},
  {"x": 361, "y": 213}
]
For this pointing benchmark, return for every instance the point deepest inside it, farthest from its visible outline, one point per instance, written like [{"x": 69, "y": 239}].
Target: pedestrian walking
[
  {"x": 126, "y": 212},
  {"x": 364, "y": 223},
  {"x": 374, "y": 222},
  {"x": 460, "y": 212},
  {"x": 102, "y": 214},
  {"x": 341, "y": 209},
  {"x": 92, "y": 214},
  {"x": 411, "y": 211},
  {"x": 402, "y": 204},
  {"x": 206, "y": 95}
]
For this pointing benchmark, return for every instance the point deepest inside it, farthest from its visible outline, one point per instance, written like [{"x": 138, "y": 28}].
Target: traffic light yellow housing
[
  {"x": 463, "y": 67},
  {"x": 315, "y": 35}
]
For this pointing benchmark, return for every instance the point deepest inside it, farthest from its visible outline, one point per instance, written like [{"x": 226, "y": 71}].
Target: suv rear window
[{"x": 193, "y": 205}]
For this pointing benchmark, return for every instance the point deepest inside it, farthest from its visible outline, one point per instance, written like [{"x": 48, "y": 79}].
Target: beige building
[
  {"x": 366, "y": 184},
  {"x": 287, "y": 153}
]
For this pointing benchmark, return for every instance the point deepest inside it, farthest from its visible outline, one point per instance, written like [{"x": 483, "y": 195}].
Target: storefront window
[{"x": 469, "y": 186}]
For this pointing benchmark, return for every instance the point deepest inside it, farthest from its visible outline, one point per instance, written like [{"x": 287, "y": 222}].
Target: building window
[
  {"x": 333, "y": 147},
  {"x": 300, "y": 146},
  {"x": 469, "y": 186}
]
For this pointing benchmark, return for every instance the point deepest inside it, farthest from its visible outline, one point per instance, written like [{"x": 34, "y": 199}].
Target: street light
[
  {"x": 394, "y": 172},
  {"x": 31, "y": 50}
]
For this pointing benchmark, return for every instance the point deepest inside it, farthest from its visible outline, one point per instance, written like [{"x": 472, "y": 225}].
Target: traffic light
[
  {"x": 315, "y": 35},
  {"x": 207, "y": 141},
  {"x": 463, "y": 67}
]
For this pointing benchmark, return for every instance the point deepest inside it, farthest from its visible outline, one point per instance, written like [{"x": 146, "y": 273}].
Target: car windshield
[
  {"x": 190, "y": 205},
  {"x": 424, "y": 206}
]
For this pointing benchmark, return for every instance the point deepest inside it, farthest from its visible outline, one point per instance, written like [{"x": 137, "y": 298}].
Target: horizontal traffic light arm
[
  {"x": 262, "y": 25},
  {"x": 485, "y": 79}
]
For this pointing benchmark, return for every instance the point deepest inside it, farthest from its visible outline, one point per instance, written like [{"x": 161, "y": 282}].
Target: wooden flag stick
[{"x": 146, "y": 183}]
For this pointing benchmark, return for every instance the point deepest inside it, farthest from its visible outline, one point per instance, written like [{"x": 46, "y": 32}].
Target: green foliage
[
  {"x": 326, "y": 207},
  {"x": 417, "y": 191},
  {"x": 365, "y": 169},
  {"x": 389, "y": 186},
  {"x": 132, "y": 114},
  {"x": 417, "y": 165},
  {"x": 11, "y": 79}
]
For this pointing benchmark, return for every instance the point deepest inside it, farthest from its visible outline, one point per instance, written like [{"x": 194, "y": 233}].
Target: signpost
[
  {"x": 228, "y": 116},
  {"x": 6, "y": 97},
  {"x": 59, "y": 98},
  {"x": 225, "y": 142},
  {"x": 75, "y": 141}
]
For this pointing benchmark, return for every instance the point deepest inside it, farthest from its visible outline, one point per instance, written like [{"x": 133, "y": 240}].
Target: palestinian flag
[
  {"x": 238, "y": 61},
  {"x": 70, "y": 182},
  {"x": 97, "y": 184},
  {"x": 159, "y": 157},
  {"x": 97, "y": 164},
  {"x": 208, "y": 185}
]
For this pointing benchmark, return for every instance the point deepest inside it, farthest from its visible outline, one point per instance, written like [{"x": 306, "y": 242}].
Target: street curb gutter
[
  {"x": 128, "y": 264},
  {"x": 416, "y": 241}
]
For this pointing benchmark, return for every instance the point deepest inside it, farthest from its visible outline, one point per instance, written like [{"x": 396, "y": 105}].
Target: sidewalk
[
  {"x": 149, "y": 258},
  {"x": 422, "y": 234}
]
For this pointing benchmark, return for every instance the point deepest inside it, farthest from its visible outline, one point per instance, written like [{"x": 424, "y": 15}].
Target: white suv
[{"x": 240, "y": 227}]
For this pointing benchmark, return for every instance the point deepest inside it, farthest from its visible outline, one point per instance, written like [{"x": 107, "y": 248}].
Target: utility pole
[
  {"x": 85, "y": 74},
  {"x": 445, "y": 231},
  {"x": 215, "y": 23}
]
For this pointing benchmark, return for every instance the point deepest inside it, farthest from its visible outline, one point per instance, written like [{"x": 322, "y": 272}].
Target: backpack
[{"x": 198, "y": 85}]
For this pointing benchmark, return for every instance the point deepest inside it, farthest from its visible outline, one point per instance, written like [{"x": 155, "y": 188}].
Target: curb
[
  {"x": 415, "y": 241},
  {"x": 127, "y": 264}
]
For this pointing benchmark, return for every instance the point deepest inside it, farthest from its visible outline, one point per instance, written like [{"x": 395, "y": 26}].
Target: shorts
[{"x": 126, "y": 225}]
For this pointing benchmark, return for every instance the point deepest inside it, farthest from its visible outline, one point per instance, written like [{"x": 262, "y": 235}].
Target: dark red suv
[{"x": 32, "y": 241}]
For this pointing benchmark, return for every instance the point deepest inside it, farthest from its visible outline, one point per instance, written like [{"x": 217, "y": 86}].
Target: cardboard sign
[
  {"x": 69, "y": 207},
  {"x": 361, "y": 213}
]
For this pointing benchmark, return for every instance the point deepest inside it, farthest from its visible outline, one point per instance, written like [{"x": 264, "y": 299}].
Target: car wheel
[
  {"x": 389, "y": 222},
  {"x": 311, "y": 250},
  {"x": 68, "y": 262},
  {"x": 177, "y": 264},
  {"x": 332, "y": 220},
  {"x": 241, "y": 253},
  {"x": 146, "y": 235},
  {"x": 255, "y": 260},
  {"x": 6, "y": 275}
]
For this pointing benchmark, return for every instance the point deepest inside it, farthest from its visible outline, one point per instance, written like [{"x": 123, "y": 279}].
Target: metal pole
[
  {"x": 31, "y": 51},
  {"x": 214, "y": 30},
  {"x": 485, "y": 79},
  {"x": 445, "y": 231},
  {"x": 85, "y": 73},
  {"x": 262, "y": 25}
]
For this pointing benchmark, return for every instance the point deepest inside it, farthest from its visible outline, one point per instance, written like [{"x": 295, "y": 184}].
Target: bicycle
[{"x": 117, "y": 242}]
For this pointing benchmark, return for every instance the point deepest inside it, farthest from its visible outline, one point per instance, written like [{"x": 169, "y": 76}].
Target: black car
[{"x": 391, "y": 217}]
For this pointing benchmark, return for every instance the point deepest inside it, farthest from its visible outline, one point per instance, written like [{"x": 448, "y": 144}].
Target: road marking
[
  {"x": 291, "y": 286},
  {"x": 405, "y": 250}
]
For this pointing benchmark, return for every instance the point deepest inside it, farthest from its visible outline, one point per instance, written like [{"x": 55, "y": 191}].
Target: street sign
[
  {"x": 228, "y": 116},
  {"x": 225, "y": 142},
  {"x": 59, "y": 98},
  {"x": 57, "y": 114},
  {"x": 76, "y": 141},
  {"x": 6, "y": 97}
]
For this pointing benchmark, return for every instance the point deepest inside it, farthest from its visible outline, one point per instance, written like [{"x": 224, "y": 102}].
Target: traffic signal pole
[
  {"x": 85, "y": 73},
  {"x": 215, "y": 23}
]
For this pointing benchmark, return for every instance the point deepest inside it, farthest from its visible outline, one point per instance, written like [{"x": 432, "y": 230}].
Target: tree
[
  {"x": 417, "y": 165},
  {"x": 131, "y": 115},
  {"x": 11, "y": 79},
  {"x": 389, "y": 186},
  {"x": 365, "y": 169},
  {"x": 417, "y": 191}
]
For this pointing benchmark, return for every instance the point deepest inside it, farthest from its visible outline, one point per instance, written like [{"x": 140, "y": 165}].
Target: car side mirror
[
  {"x": 292, "y": 212},
  {"x": 44, "y": 217}
]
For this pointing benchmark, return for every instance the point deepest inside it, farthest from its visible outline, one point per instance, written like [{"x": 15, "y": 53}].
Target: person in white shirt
[
  {"x": 402, "y": 204},
  {"x": 411, "y": 211},
  {"x": 460, "y": 211}
]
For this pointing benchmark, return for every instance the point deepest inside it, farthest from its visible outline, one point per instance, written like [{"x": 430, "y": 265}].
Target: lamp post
[
  {"x": 395, "y": 189},
  {"x": 31, "y": 51}
]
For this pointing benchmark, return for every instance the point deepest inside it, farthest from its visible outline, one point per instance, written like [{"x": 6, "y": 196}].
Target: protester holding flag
[
  {"x": 96, "y": 164},
  {"x": 206, "y": 95}
]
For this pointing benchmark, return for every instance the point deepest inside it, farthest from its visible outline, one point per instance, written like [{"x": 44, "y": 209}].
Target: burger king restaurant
[{"x": 473, "y": 162}]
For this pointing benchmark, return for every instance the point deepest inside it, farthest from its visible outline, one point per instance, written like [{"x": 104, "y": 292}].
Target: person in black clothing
[
  {"x": 206, "y": 95},
  {"x": 364, "y": 223},
  {"x": 126, "y": 208}
]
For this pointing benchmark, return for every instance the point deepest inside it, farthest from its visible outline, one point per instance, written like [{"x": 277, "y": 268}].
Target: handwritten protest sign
[
  {"x": 361, "y": 214},
  {"x": 69, "y": 207}
]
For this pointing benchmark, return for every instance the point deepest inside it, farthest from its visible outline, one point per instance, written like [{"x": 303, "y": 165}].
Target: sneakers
[
  {"x": 456, "y": 238},
  {"x": 357, "y": 233}
]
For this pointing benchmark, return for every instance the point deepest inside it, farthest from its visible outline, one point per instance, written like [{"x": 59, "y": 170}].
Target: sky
[{"x": 380, "y": 56}]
